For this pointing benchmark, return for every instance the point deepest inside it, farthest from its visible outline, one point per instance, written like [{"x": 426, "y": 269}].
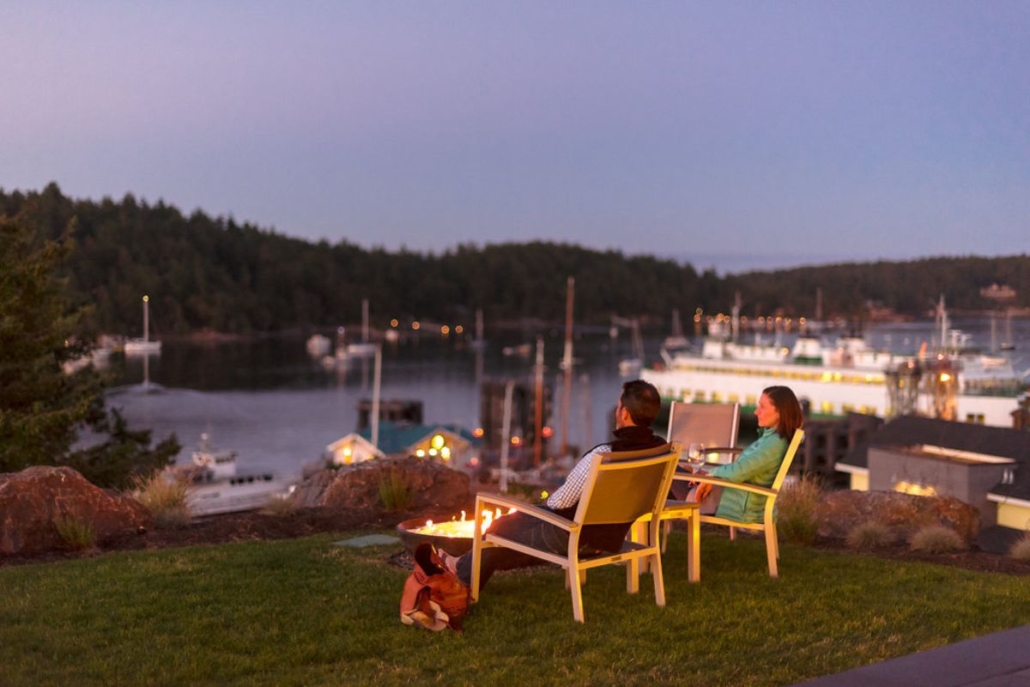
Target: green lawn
[{"x": 306, "y": 612}]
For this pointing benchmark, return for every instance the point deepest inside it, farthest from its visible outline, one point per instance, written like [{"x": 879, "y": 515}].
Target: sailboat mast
[
  {"x": 538, "y": 404},
  {"x": 364, "y": 319},
  {"x": 567, "y": 395},
  {"x": 377, "y": 384},
  {"x": 146, "y": 318}
]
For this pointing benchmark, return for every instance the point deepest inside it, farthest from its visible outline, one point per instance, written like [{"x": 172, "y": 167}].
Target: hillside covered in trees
[{"x": 214, "y": 273}]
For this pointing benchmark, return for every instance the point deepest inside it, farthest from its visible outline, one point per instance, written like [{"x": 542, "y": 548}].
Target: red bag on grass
[{"x": 433, "y": 596}]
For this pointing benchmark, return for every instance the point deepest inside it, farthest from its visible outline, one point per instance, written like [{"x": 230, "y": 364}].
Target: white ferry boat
[{"x": 844, "y": 376}]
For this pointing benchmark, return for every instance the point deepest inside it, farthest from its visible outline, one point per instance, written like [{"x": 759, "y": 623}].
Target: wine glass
[{"x": 696, "y": 456}]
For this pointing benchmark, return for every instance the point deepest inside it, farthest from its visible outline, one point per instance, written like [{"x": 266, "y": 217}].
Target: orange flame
[{"x": 462, "y": 529}]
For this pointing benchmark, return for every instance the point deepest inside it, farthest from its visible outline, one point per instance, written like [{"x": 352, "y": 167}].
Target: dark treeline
[{"x": 214, "y": 273}]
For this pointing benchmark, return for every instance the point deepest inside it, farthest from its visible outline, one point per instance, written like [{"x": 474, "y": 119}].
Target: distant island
[{"x": 213, "y": 274}]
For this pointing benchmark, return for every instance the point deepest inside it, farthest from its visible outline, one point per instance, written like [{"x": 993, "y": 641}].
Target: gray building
[{"x": 986, "y": 467}]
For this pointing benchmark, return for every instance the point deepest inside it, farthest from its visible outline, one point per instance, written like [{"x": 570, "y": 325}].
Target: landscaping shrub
[
  {"x": 870, "y": 535},
  {"x": 77, "y": 534},
  {"x": 165, "y": 498},
  {"x": 1021, "y": 549},
  {"x": 937, "y": 539},
  {"x": 796, "y": 510}
]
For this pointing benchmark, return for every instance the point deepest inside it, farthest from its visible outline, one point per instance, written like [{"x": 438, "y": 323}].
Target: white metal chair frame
[
  {"x": 621, "y": 487},
  {"x": 768, "y": 524}
]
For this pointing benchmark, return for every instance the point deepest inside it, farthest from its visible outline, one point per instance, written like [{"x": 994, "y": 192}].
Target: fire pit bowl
[{"x": 454, "y": 545}]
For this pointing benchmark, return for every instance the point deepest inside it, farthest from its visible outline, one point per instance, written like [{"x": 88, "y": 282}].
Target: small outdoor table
[{"x": 678, "y": 510}]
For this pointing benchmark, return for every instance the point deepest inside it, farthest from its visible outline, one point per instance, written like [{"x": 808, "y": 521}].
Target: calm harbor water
[
  {"x": 270, "y": 401},
  {"x": 279, "y": 408}
]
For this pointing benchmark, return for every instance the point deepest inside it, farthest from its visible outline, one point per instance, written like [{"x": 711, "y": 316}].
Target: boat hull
[
  {"x": 141, "y": 347},
  {"x": 829, "y": 390}
]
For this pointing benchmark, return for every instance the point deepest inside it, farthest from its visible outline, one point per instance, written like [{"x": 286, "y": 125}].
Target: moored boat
[
  {"x": 144, "y": 346},
  {"x": 216, "y": 487}
]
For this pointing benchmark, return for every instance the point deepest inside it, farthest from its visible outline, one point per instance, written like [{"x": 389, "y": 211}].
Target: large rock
[
  {"x": 840, "y": 511},
  {"x": 429, "y": 487},
  {"x": 31, "y": 501}
]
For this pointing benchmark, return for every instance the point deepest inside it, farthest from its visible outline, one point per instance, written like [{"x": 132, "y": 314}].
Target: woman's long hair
[{"x": 787, "y": 405}]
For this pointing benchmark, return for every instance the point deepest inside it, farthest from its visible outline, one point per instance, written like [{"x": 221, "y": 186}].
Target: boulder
[
  {"x": 840, "y": 511},
  {"x": 310, "y": 491},
  {"x": 420, "y": 485},
  {"x": 33, "y": 500}
]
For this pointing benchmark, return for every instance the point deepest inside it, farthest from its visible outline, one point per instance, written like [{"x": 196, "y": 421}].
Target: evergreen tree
[
  {"x": 40, "y": 406},
  {"x": 43, "y": 407}
]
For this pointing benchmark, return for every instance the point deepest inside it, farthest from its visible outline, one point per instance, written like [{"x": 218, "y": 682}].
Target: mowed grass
[{"x": 306, "y": 612}]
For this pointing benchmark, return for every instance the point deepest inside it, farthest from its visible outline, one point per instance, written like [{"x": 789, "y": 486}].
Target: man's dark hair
[{"x": 642, "y": 401}]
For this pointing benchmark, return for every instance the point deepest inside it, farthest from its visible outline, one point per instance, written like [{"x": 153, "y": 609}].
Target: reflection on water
[{"x": 279, "y": 408}]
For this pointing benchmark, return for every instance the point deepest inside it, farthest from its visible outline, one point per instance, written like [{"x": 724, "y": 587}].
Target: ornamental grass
[
  {"x": 937, "y": 539},
  {"x": 165, "y": 498},
  {"x": 1021, "y": 549},
  {"x": 796, "y": 508}
]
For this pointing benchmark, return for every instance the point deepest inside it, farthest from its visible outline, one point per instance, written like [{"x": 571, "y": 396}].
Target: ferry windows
[
  {"x": 734, "y": 398},
  {"x": 847, "y": 408},
  {"x": 699, "y": 396},
  {"x": 826, "y": 408},
  {"x": 751, "y": 400},
  {"x": 976, "y": 418},
  {"x": 716, "y": 397}
]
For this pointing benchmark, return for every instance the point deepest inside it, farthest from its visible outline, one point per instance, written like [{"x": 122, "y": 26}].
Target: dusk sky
[{"x": 732, "y": 135}]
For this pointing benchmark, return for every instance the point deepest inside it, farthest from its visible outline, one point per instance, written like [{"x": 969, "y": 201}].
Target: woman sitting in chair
[{"x": 779, "y": 416}]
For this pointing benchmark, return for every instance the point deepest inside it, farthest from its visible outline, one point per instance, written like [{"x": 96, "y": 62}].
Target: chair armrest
[
  {"x": 726, "y": 484},
  {"x": 490, "y": 501}
]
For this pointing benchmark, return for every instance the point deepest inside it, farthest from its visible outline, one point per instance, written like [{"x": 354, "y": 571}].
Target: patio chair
[
  {"x": 620, "y": 488},
  {"x": 768, "y": 523},
  {"x": 715, "y": 425}
]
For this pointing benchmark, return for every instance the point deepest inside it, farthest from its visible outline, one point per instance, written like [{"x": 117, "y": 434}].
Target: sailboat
[
  {"x": 1008, "y": 344},
  {"x": 364, "y": 348},
  {"x": 675, "y": 340},
  {"x": 144, "y": 346},
  {"x": 478, "y": 343},
  {"x": 630, "y": 367}
]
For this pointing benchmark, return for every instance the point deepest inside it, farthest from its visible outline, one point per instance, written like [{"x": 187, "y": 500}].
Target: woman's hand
[{"x": 702, "y": 491}]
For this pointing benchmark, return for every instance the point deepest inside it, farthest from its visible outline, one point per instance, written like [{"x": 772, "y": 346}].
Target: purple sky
[{"x": 729, "y": 135}]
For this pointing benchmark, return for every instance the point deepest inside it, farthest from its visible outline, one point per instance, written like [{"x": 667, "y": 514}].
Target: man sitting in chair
[{"x": 636, "y": 411}]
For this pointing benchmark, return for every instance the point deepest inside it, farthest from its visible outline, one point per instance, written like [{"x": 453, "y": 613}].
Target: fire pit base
[{"x": 452, "y": 545}]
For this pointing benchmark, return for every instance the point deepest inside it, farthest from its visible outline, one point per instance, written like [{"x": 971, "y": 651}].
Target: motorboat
[
  {"x": 216, "y": 487},
  {"x": 317, "y": 345}
]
